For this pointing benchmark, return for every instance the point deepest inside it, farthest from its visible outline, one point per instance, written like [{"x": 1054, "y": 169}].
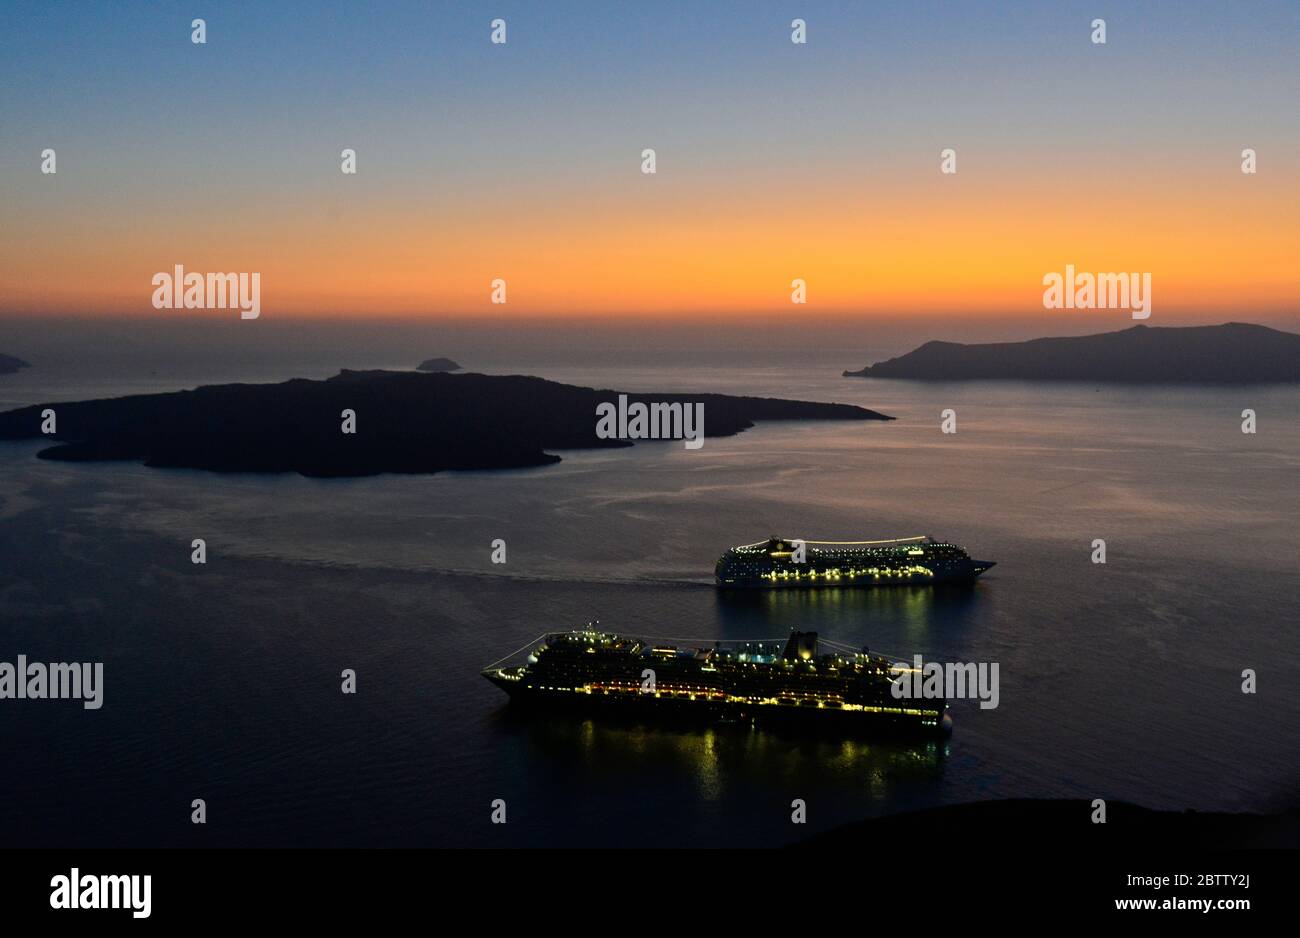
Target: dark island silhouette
[
  {"x": 9, "y": 364},
  {"x": 406, "y": 422},
  {"x": 1055, "y": 824},
  {"x": 438, "y": 365},
  {"x": 1233, "y": 353}
]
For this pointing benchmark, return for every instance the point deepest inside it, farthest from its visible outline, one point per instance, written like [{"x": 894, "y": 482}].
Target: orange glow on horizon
[{"x": 681, "y": 250}]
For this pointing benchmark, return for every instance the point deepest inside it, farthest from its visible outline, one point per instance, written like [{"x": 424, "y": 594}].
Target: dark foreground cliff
[
  {"x": 1055, "y": 825},
  {"x": 1233, "y": 353},
  {"x": 405, "y": 422}
]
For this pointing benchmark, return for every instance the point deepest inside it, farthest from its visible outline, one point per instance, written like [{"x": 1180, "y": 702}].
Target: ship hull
[
  {"x": 962, "y": 578},
  {"x": 684, "y": 711},
  {"x": 790, "y": 563}
]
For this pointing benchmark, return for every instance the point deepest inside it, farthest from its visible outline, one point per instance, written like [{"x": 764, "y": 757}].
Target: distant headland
[
  {"x": 438, "y": 365},
  {"x": 1233, "y": 353},
  {"x": 9, "y": 364},
  {"x": 405, "y": 422}
]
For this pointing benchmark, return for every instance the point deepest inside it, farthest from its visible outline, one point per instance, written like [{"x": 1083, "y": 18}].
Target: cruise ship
[
  {"x": 780, "y": 563},
  {"x": 769, "y": 683}
]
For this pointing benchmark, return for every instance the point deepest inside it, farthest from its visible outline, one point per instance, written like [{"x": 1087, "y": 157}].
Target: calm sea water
[{"x": 1119, "y": 681}]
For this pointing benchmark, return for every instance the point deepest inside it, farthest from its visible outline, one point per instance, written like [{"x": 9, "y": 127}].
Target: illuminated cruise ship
[
  {"x": 769, "y": 683},
  {"x": 778, "y": 563}
]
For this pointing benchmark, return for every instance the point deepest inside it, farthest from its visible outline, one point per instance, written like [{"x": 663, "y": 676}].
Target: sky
[{"x": 775, "y": 161}]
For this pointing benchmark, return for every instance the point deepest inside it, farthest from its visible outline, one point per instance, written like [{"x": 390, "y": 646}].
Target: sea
[{"x": 1120, "y": 680}]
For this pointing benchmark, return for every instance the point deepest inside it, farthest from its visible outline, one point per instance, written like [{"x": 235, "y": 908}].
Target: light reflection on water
[{"x": 728, "y": 765}]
